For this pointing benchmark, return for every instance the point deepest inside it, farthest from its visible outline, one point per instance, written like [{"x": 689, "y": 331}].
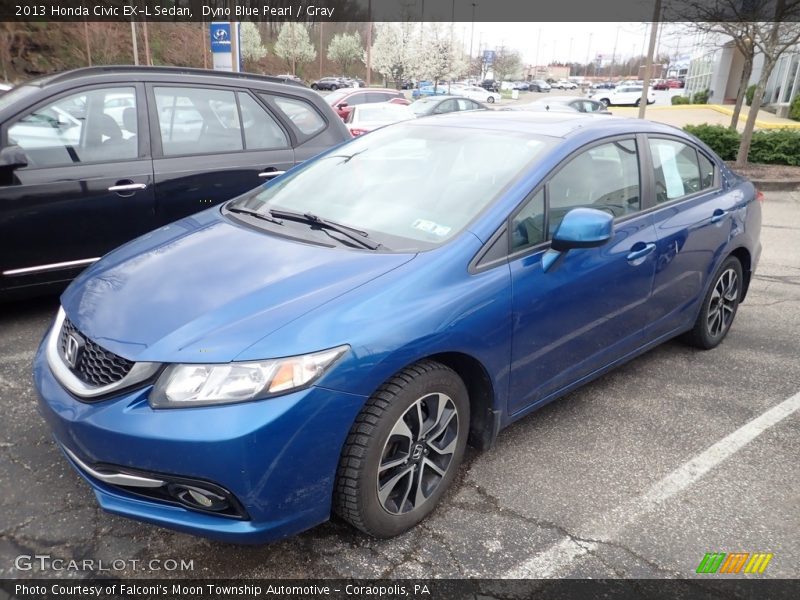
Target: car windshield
[{"x": 411, "y": 187}]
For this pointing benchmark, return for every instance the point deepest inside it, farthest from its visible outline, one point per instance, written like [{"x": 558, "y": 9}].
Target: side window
[
  {"x": 373, "y": 97},
  {"x": 301, "y": 113},
  {"x": 197, "y": 120},
  {"x": 466, "y": 104},
  {"x": 527, "y": 228},
  {"x": 261, "y": 130},
  {"x": 605, "y": 177},
  {"x": 706, "y": 171},
  {"x": 93, "y": 126},
  {"x": 447, "y": 106},
  {"x": 677, "y": 173},
  {"x": 356, "y": 99}
]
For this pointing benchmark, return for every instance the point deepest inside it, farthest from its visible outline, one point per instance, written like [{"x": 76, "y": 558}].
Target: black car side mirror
[{"x": 13, "y": 157}]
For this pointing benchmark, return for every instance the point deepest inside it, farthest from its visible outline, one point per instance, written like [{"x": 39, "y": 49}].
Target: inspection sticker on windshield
[{"x": 431, "y": 227}]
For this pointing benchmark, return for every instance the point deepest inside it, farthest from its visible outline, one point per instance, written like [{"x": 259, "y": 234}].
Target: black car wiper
[
  {"x": 254, "y": 213},
  {"x": 358, "y": 236}
]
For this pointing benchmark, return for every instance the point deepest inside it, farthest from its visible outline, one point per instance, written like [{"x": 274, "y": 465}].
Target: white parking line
[{"x": 552, "y": 561}]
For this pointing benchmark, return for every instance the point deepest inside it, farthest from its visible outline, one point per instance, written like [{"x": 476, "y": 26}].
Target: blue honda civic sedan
[{"x": 330, "y": 342}]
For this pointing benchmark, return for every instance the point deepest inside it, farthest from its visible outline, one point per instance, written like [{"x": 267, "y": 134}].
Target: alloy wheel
[
  {"x": 722, "y": 305},
  {"x": 417, "y": 453}
]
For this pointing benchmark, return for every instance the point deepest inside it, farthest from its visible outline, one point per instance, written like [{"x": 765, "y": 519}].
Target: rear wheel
[
  {"x": 490, "y": 100},
  {"x": 403, "y": 451},
  {"x": 314, "y": 86},
  {"x": 638, "y": 102},
  {"x": 606, "y": 102},
  {"x": 719, "y": 306}
]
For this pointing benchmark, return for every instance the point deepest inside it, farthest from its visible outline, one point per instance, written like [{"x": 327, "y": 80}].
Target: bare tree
[
  {"x": 772, "y": 39},
  {"x": 769, "y": 28},
  {"x": 506, "y": 62}
]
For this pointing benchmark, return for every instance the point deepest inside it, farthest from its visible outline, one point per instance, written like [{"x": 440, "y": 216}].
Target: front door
[
  {"x": 87, "y": 189},
  {"x": 590, "y": 310}
]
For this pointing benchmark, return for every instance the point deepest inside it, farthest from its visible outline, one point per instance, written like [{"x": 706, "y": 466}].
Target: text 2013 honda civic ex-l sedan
[{"x": 330, "y": 342}]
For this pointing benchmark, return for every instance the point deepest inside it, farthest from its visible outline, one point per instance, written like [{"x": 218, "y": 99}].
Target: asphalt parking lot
[{"x": 614, "y": 480}]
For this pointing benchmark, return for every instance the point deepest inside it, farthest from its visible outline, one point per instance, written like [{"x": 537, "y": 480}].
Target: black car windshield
[{"x": 410, "y": 186}]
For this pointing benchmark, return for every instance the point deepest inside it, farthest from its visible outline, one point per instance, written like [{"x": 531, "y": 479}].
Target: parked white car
[
  {"x": 473, "y": 92},
  {"x": 623, "y": 95},
  {"x": 366, "y": 117},
  {"x": 567, "y": 85}
]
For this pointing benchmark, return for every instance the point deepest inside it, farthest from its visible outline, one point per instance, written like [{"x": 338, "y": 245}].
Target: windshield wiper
[
  {"x": 358, "y": 236},
  {"x": 254, "y": 213}
]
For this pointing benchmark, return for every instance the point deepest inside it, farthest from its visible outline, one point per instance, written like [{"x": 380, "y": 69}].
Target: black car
[
  {"x": 329, "y": 83},
  {"x": 92, "y": 158},
  {"x": 437, "y": 105},
  {"x": 490, "y": 85}
]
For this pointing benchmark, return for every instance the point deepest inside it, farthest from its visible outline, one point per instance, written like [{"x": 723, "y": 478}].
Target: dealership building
[{"x": 718, "y": 68}]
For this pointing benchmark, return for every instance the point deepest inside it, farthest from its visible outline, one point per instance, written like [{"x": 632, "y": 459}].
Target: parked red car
[{"x": 345, "y": 99}]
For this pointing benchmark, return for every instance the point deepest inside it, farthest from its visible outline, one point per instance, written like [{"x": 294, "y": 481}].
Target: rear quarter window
[{"x": 304, "y": 116}]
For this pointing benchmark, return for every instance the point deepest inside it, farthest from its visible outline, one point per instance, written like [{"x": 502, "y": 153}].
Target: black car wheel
[
  {"x": 314, "y": 86},
  {"x": 403, "y": 451},
  {"x": 719, "y": 306},
  {"x": 490, "y": 100},
  {"x": 334, "y": 88},
  {"x": 606, "y": 102},
  {"x": 638, "y": 102}
]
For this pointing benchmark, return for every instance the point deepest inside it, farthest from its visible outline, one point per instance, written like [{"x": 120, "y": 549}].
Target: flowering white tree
[
  {"x": 394, "y": 52},
  {"x": 252, "y": 45},
  {"x": 294, "y": 46},
  {"x": 344, "y": 50},
  {"x": 439, "y": 57}
]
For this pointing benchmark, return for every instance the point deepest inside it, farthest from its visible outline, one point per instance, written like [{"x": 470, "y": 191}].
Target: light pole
[
  {"x": 588, "y": 55},
  {"x": 472, "y": 32},
  {"x": 614, "y": 54}
]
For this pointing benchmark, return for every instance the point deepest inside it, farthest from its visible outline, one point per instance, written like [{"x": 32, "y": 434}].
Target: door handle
[
  {"x": 640, "y": 250},
  {"x": 127, "y": 187},
  {"x": 718, "y": 215},
  {"x": 270, "y": 174}
]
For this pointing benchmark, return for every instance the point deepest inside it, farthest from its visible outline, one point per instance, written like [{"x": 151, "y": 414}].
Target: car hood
[{"x": 204, "y": 289}]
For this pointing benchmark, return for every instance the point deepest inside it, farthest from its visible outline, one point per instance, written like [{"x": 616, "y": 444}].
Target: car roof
[
  {"x": 561, "y": 99},
  {"x": 561, "y": 124},
  {"x": 134, "y": 73}
]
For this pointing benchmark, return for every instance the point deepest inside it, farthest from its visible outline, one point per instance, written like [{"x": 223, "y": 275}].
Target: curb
[
  {"x": 776, "y": 185},
  {"x": 726, "y": 111}
]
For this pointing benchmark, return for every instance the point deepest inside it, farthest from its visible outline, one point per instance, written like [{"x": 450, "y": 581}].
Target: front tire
[
  {"x": 606, "y": 102},
  {"x": 403, "y": 450},
  {"x": 719, "y": 306},
  {"x": 490, "y": 100}
]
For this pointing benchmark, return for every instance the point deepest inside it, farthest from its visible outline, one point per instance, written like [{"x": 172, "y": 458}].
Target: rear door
[
  {"x": 694, "y": 219},
  {"x": 210, "y": 144},
  {"x": 88, "y": 186}
]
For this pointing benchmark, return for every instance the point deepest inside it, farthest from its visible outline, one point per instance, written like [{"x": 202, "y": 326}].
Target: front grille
[{"x": 95, "y": 365}]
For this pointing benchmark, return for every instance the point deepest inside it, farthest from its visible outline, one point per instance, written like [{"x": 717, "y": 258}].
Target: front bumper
[{"x": 278, "y": 457}]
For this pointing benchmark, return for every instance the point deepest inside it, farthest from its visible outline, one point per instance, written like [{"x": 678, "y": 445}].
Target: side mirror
[
  {"x": 342, "y": 105},
  {"x": 580, "y": 228},
  {"x": 13, "y": 157}
]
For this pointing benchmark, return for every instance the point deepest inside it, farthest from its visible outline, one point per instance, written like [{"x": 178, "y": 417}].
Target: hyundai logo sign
[{"x": 220, "y": 37}]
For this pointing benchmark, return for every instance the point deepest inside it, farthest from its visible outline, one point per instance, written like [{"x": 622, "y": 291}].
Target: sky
[{"x": 573, "y": 42}]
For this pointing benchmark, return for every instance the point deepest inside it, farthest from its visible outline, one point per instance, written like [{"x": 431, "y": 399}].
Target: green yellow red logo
[{"x": 734, "y": 562}]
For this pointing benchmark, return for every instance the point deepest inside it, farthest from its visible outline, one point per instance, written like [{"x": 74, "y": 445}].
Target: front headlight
[{"x": 203, "y": 385}]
